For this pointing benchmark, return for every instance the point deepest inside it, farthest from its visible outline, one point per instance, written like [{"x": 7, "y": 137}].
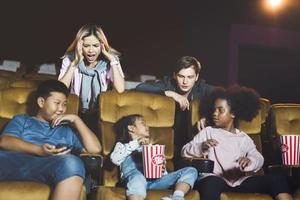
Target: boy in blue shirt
[{"x": 29, "y": 144}]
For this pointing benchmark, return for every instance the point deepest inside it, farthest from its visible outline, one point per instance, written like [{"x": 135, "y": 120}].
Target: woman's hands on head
[
  {"x": 78, "y": 53},
  {"x": 109, "y": 56}
]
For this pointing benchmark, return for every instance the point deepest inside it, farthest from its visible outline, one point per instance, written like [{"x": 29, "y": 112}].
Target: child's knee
[
  {"x": 192, "y": 172},
  {"x": 136, "y": 185},
  {"x": 189, "y": 175},
  {"x": 70, "y": 165}
]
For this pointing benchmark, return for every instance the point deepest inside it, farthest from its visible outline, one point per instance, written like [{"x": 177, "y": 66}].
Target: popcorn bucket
[
  {"x": 290, "y": 147},
  {"x": 153, "y": 160}
]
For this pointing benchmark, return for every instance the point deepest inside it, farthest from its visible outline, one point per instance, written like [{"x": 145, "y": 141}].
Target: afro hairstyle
[{"x": 243, "y": 102}]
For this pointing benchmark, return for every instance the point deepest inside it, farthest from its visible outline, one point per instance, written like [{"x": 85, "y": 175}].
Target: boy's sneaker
[{"x": 173, "y": 198}]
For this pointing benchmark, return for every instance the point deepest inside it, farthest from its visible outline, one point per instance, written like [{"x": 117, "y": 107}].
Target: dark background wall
[{"x": 151, "y": 35}]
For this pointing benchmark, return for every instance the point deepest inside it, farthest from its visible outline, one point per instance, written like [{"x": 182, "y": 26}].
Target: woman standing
[{"x": 89, "y": 67}]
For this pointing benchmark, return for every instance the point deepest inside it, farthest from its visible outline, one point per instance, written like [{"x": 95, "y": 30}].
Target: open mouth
[{"x": 91, "y": 57}]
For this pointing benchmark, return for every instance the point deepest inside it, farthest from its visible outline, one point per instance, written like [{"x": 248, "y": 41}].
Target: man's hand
[
  {"x": 208, "y": 143},
  {"x": 201, "y": 124},
  {"x": 183, "y": 101}
]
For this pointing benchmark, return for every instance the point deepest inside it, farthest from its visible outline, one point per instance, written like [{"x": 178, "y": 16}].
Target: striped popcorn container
[
  {"x": 290, "y": 147},
  {"x": 153, "y": 160}
]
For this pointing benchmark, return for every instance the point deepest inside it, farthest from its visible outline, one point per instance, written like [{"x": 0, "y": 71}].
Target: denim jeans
[
  {"x": 15, "y": 166},
  {"x": 137, "y": 184}
]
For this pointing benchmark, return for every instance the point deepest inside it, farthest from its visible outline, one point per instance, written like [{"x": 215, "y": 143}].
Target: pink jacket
[{"x": 230, "y": 148}]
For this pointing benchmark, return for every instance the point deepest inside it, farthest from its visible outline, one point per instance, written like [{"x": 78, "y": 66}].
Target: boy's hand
[
  {"x": 63, "y": 118},
  {"x": 48, "y": 149},
  {"x": 208, "y": 143}
]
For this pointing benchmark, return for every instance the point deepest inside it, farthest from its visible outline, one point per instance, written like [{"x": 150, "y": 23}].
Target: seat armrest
[
  {"x": 284, "y": 169},
  {"x": 92, "y": 162}
]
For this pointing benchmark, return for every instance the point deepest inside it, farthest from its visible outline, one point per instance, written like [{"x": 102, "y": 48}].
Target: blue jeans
[
  {"x": 15, "y": 166},
  {"x": 137, "y": 184}
]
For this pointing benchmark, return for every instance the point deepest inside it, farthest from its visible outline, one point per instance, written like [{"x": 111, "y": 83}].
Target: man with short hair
[{"x": 184, "y": 86}]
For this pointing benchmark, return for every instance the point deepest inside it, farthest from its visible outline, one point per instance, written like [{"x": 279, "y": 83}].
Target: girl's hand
[
  {"x": 143, "y": 141},
  {"x": 164, "y": 166},
  {"x": 107, "y": 55},
  {"x": 48, "y": 149},
  {"x": 61, "y": 119},
  {"x": 244, "y": 162},
  {"x": 208, "y": 143}
]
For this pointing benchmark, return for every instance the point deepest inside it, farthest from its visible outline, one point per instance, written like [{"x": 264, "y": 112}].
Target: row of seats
[
  {"x": 28, "y": 73},
  {"x": 271, "y": 122},
  {"x": 159, "y": 113}
]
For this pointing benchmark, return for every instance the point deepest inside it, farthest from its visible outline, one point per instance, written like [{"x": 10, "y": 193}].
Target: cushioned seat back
[
  {"x": 194, "y": 117},
  {"x": 15, "y": 101},
  {"x": 265, "y": 107},
  {"x": 23, "y": 83},
  {"x": 285, "y": 119},
  {"x": 159, "y": 114},
  {"x": 4, "y": 82}
]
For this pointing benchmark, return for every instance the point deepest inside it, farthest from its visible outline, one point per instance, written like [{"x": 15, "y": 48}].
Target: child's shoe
[{"x": 173, "y": 198}]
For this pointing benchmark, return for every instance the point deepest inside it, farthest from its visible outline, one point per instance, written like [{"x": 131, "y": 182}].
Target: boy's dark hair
[
  {"x": 121, "y": 127},
  {"x": 243, "y": 102},
  {"x": 186, "y": 62},
  {"x": 48, "y": 86}
]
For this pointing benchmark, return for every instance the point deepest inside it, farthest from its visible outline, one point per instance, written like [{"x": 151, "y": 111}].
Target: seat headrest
[
  {"x": 159, "y": 111},
  {"x": 285, "y": 118}
]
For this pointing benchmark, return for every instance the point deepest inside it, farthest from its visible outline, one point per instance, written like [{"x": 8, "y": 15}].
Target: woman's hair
[
  {"x": 121, "y": 127},
  {"x": 88, "y": 30},
  {"x": 243, "y": 102},
  {"x": 186, "y": 62}
]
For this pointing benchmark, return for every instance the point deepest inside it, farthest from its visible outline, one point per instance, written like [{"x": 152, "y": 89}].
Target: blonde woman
[{"x": 89, "y": 67}]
